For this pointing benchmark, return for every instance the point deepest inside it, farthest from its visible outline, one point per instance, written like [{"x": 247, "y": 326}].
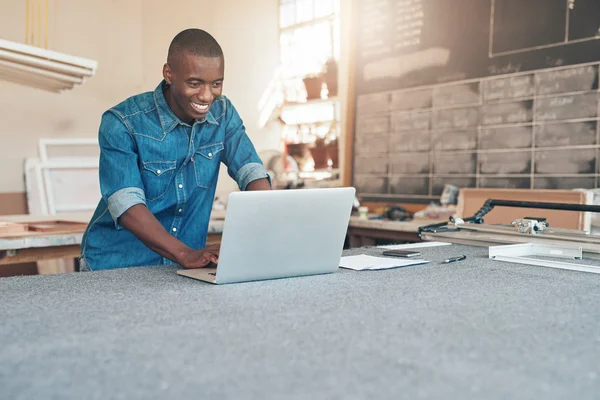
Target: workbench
[
  {"x": 33, "y": 247},
  {"x": 365, "y": 232},
  {"x": 474, "y": 329},
  {"x": 37, "y": 246}
]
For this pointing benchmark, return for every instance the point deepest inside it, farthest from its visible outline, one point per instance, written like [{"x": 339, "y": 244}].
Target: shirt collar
[
  {"x": 168, "y": 119},
  {"x": 210, "y": 119}
]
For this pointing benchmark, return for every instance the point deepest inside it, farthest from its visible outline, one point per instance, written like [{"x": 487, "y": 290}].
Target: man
[{"x": 159, "y": 164}]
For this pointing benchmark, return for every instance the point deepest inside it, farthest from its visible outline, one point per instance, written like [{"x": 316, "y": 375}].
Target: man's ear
[{"x": 167, "y": 73}]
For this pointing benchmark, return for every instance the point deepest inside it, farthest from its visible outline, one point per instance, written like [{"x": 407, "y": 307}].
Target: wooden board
[
  {"x": 36, "y": 228},
  {"x": 213, "y": 238},
  {"x": 471, "y": 200},
  {"x": 81, "y": 217},
  {"x": 40, "y": 253},
  {"x": 56, "y": 226},
  {"x": 12, "y": 227}
]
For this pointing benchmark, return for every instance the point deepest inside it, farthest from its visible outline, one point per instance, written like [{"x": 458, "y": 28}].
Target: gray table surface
[{"x": 468, "y": 330}]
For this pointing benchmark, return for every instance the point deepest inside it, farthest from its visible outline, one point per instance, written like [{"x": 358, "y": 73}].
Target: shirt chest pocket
[
  {"x": 206, "y": 164},
  {"x": 156, "y": 176}
]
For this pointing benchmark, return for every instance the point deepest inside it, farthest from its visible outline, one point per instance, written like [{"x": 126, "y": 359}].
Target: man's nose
[{"x": 205, "y": 94}]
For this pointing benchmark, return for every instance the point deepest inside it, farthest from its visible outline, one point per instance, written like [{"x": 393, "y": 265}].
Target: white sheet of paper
[
  {"x": 413, "y": 245},
  {"x": 362, "y": 262}
]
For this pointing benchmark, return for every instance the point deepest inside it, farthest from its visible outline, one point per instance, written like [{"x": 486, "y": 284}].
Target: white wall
[
  {"x": 250, "y": 41},
  {"x": 130, "y": 40},
  {"x": 161, "y": 21},
  {"x": 90, "y": 29}
]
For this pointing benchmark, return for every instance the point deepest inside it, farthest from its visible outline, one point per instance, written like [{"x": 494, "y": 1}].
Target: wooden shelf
[{"x": 333, "y": 99}]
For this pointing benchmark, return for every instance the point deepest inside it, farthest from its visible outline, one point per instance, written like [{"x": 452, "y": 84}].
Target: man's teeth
[{"x": 200, "y": 107}]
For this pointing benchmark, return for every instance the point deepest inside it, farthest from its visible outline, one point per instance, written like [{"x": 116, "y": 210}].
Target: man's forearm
[
  {"x": 144, "y": 225},
  {"x": 259, "y": 184}
]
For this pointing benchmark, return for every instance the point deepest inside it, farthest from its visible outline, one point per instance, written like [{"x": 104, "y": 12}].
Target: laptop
[{"x": 280, "y": 234}]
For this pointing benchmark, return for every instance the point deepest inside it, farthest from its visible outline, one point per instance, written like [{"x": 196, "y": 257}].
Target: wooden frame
[
  {"x": 42, "y": 175},
  {"x": 348, "y": 168}
]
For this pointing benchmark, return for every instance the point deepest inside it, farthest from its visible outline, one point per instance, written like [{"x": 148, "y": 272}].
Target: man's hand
[
  {"x": 140, "y": 221},
  {"x": 201, "y": 258}
]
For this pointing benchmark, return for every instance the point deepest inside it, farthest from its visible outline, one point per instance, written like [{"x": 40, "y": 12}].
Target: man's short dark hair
[{"x": 196, "y": 42}]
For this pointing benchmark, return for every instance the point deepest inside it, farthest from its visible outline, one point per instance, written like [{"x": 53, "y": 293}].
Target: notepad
[{"x": 364, "y": 262}]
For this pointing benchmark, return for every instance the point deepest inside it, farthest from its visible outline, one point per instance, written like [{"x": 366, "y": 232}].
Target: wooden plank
[
  {"x": 380, "y": 207},
  {"x": 58, "y": 266},
  {"x": 57, "y": 226},
  {"x": 30, "y": 234},
  {"x": 367, "y": 236},
  {"x": 44, "y": 225},
  {"x": 27, "y": 234},
  {"x": 347, "y": 171},
  {"x": 39, "y": 253},
  {"x": 81, "y": 217},
  {"x": 12, "y": 228},
  {"x": 213, "y": 238}
]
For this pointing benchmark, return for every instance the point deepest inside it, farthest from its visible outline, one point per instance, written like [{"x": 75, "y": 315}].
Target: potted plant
[
  {"x": 319, "y": 153},
  {"x": 313, "y": 84},
  {"x": 331, "y": 76},
  {"x": 325, "y": 153}
]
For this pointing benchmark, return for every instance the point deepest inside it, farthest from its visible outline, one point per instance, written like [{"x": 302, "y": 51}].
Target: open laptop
[{"x": 280, "y": 234}]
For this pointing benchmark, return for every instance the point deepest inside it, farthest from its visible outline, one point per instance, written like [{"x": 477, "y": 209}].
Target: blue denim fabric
[{"x": 149, "y": 156}]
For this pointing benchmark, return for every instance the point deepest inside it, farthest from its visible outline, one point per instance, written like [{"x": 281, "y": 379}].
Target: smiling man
[{"x": 159, "y": 164}]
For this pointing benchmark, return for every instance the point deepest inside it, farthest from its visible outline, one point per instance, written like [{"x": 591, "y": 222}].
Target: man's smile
[{"x": 201, "y": 108}]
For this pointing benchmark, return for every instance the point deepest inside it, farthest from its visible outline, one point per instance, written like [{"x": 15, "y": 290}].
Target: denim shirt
[{"x": 149, "y": 156}]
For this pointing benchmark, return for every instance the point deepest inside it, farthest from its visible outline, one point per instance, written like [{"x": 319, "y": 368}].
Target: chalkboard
[
  {"x": 475, "y": 93},
  {"x": 410, "y": 43}
]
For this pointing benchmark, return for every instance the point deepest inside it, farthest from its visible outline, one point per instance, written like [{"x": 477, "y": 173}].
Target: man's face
[{"x": 195, "y": 82}]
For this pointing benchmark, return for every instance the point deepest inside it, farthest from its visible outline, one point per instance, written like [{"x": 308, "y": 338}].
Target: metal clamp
[{"x": 531, "y": 226}]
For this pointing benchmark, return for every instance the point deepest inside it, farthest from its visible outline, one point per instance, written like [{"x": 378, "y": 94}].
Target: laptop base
[{"x": 202, "y": 274}]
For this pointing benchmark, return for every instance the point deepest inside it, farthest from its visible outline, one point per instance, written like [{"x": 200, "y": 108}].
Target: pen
[{"x": 453, "y": 259}]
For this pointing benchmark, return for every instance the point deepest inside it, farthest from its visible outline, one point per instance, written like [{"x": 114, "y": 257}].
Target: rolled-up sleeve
[
  {"x": 249, "y": 173},
  {"x": 240, "y": 157},
  {"x": 120, "y": 180}
]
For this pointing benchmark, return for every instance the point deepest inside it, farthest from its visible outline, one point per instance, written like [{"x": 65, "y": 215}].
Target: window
[{"x": 310, "y": 48}]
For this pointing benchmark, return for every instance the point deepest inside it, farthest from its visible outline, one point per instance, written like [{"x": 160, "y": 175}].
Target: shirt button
[
  {"x": 180, "y": 186},
  {"x": 174, "y": 229},
  {"x": 158, "y": 171},
  {"x": 210, "y": 154},
  {"x": 180, "y": 210}
]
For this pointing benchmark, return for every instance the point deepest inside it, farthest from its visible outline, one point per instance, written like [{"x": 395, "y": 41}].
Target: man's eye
[
  {"x": 194, "y": 84},
  {"x": 217, "y": 85}
]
